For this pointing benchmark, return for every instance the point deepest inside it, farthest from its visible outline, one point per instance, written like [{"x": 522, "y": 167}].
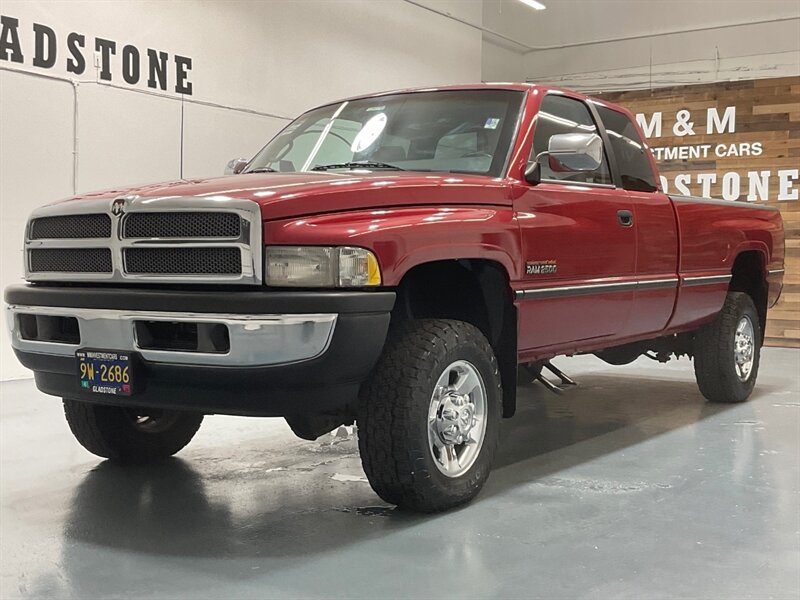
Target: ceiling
[{"x": 583, "y": 21}]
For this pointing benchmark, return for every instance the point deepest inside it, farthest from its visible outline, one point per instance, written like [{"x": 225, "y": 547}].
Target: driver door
[{"x": 578, "y": 246}]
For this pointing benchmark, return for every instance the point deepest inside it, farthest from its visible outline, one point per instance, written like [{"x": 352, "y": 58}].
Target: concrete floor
[{"x": 629, "y": 487}]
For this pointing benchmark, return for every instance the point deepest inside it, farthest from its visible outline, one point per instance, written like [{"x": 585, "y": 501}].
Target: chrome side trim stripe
[
  {"x": 594, "y": 288},
  {"x": 706, "y": 280},
  {"x": 653, "y": 284},
  {"x": 776, "y": 271},
  {"x": 621, "y": 286},
  {"x": 576, "y": 290}
]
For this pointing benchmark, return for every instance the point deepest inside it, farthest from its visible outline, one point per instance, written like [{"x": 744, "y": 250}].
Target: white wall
[
  {"x": 501, "y": 63},
  {"x": 250, "y": 60},
  {"x": 725, "y": 54},
  {"x": 587, "y": 45}
]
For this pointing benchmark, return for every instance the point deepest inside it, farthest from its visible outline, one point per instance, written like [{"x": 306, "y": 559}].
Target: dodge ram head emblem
[
  {"x": 118, "y": 207},
  {"x": 540, "y": 267}
]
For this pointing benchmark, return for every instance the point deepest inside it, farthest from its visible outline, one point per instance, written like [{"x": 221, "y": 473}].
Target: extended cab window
[
  {"x": 560, "y": 114},
  {"x": 629, "y": 150}
]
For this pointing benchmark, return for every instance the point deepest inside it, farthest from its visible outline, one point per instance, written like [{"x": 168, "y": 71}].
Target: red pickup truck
[{"x": 390, "y": 260}]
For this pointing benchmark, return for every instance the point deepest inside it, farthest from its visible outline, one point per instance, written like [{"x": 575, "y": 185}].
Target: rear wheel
[
  {"x": 727, "y": 351},
  {"x": 130, "y": 434},
  {"x": 429, "y": 418}
]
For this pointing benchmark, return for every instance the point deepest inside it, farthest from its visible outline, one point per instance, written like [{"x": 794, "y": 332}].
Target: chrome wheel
[
  {"x": 744, "y": 348},
  {"x": 457, "y": 418}
]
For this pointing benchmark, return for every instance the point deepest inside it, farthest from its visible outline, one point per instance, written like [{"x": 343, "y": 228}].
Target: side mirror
[
  {"x": 235, "y": 166},
  {"x": 574, "y": 152}
]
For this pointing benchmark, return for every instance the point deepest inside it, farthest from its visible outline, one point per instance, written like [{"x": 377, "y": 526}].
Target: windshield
[{"x": 467, "y": 131}]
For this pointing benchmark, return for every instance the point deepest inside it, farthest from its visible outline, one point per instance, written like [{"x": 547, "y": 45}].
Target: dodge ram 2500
[{"x": 392, "y": 260}]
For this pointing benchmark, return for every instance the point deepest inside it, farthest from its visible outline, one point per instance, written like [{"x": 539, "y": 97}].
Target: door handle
[{"x": 625, "y": 218}]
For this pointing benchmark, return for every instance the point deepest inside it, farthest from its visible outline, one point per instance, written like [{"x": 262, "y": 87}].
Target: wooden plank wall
[{"x": 767, "y": 112}]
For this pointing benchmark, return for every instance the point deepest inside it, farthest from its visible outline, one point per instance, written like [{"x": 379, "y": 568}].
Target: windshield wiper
[
  {"x": 357, "y": 165},
  {"x": 261, "y": 170}
]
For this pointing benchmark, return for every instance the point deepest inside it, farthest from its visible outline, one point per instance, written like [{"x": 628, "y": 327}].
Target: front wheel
[
  {"x": 728, "y": 350},
  {"x": 130, "y": 434},
  {"x": 429, "y": 418}
]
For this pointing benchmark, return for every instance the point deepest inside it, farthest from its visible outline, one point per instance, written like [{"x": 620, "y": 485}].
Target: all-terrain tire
[
  {"x": 129, "y": 434},
  {"x": 715, "y": 366},
  {"x": 393, "y": 417}
]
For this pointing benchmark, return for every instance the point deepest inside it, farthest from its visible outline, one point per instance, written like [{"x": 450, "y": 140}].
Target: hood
[{"x": 285, "y": 195}]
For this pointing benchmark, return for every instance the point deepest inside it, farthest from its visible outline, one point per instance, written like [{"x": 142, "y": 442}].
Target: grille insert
[
  {"x": 182, "y": 225},
  {"x": 70, "y": 260},
  {"x": 183, "y": 261},
  {"x": 71, "y": 227},
  {"x": 183, "y": 239}
]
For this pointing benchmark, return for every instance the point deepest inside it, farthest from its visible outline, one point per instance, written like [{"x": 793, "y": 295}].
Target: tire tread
[
  {"x": 713, "y": 365},
  {"x": 107, "y": 432},
  {"x": 396, "y": 466}
]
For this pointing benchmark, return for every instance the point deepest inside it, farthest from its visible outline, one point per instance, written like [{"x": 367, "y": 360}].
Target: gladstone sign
[{"x": 40, "y": 46}]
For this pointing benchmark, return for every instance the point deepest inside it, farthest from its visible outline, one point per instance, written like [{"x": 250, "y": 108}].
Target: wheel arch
[
  {"x": 748, "y": 275},
  {"x": 477, "y": 291}
]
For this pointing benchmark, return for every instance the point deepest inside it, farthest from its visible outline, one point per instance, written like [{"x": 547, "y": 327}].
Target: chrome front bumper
[
  {"x": 286, "y": 352},
  {"x": 255, "y": 340}
]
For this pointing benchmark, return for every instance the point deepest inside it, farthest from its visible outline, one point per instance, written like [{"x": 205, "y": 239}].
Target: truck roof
[{"x": 522, "y": 87}]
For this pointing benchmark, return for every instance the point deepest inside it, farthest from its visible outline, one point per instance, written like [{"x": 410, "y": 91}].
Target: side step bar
[{"x": 566, "y": 382}]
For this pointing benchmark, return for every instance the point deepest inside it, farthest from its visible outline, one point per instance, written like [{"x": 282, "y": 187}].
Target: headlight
[{"x": 316, "y": 266}]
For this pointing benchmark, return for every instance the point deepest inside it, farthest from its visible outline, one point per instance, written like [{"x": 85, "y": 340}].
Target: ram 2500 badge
[{"x": 390, "y": 260}]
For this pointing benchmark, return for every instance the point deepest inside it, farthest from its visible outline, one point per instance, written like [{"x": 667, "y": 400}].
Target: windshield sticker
[
  {"x": 491, "y": 123},
  {"x": 369, "y": 133},
  {"x": 374, "y": 108}
]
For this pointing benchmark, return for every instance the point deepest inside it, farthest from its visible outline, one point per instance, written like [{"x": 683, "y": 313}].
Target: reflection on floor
[{"x": 629, "y": 486}]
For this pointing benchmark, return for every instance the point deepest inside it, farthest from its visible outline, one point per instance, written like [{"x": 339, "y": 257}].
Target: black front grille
[
  {"x": 70, "y": 260},
  {"x": 183, "y": 261},
  {"x": 182, "y": 225},
  {"x": 71, "y": 227}
]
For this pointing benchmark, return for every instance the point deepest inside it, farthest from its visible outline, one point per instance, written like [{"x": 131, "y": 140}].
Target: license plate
[{"x": 105, "y": 372}]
